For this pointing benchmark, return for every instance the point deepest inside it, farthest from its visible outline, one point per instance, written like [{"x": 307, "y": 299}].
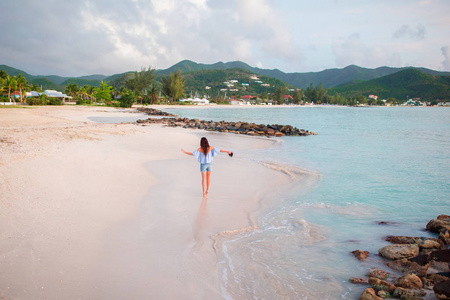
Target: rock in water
[
  {"x": 381, "y": 284},
  {"x": 361, "y": 255},
  {"x": 399, "y": 251},
  {"x": 369, "y": 294},
  {"x": 410, "y": 281}
]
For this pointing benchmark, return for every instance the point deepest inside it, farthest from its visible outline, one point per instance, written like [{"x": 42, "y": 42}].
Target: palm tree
[
  {"x": 21, "y": 82},
  {"x": 10, "y": 83},
  {"x": 3, "y": 74},
  {"x": 72, "y": 89}
]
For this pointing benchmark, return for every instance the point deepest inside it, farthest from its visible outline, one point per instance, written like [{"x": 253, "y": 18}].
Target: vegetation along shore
[{"x": 231, "y": 83}]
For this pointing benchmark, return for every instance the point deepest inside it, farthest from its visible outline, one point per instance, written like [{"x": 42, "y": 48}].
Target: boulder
[
  {"x": 423, "y": 242},
  {"x": 361, "y": 255},
  {"x": 405, "y": 266},
  {"x": 279, "y": 134},
  {"x": 442, "y": 289},
  {"x": 438, "y": 277},
  {"x": 437, "y": 225},
  {"x": 270, "y": 131},
  {"x": 399, "y": 251},
  {"x": 438, "y": 267},
  {"x": 356, "y": 280},
  {"x": 369, "y": 294},
  {"x": 444, "y": 236},
  {"x": 421, "y": 259},
  {"x": 407, "y": 294},
  {"x": 380, "y": 274},
  {"x": 383, "y": 294},
  {"x": 409, "y": 281},
  {"x": 379, "y": 284},
  {"x": 441, "y": 255}
]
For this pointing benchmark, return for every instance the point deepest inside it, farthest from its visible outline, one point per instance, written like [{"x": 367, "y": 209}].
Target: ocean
[{"x": 374, "y": 171}]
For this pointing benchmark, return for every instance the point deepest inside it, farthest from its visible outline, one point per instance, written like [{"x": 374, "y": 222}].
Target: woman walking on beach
[{"x": 205, "y": 155}]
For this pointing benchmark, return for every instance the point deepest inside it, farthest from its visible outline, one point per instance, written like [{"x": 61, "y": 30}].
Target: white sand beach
[{"x": 115, "y": 211}]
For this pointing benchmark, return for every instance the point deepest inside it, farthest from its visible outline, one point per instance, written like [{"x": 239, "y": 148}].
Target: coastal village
[{"x": 229, "y": 87}]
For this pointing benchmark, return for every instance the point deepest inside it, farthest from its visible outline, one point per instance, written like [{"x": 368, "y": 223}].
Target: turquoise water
[{"x": 375, "y": 164}]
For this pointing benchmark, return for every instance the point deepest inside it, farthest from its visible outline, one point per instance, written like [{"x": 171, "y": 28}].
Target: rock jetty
[
  {"x": 424, "y": 263},
  {"x": 246, "y": 128}
]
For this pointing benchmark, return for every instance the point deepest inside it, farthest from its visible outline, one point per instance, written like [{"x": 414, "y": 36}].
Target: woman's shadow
[{"x": 200, "y": 232}]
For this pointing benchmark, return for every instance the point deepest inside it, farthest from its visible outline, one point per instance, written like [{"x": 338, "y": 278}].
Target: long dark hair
[{"x": 204, "y": 145}]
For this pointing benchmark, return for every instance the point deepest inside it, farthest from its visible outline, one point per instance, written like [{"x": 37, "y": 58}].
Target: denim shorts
[{"x": 205, "y": 167}]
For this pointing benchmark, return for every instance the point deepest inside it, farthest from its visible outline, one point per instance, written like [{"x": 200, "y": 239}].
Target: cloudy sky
[{"x": 83, "y": 37}]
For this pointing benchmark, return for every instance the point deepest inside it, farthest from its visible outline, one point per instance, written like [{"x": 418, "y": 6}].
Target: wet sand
[{"x": 114, "y": 211}]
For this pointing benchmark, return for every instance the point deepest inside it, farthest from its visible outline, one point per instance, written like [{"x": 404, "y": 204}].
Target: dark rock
[
  {"x": 421, "y": 259},
  {"x": 441, "y": 255},
  {"x": 386, "y": 223},
  {"x": 442, "y": 290},
  {"x": 361, "y": 255},
  {"x": 399, "y": 251}
]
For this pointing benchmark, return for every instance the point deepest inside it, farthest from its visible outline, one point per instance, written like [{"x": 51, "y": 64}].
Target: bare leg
[
  {"x": 208, "y": 181},
  {"x": 204, "y": 182}
]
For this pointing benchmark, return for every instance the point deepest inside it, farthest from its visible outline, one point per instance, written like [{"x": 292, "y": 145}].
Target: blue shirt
[{"x": 205, "y": 159}]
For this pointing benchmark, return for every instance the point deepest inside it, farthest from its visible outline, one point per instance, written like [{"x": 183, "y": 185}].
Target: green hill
[
  {"x": 211, "y": 82},
  {"x": 329, "y": 78},
  {"x": 348, "y": 81},
  {"x": 409, "y": 83}
]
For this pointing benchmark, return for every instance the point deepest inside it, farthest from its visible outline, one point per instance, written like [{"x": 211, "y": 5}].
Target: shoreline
[{"x": 71, "y": 221}]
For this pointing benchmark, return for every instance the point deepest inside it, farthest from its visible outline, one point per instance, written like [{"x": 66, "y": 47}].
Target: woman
[{"x": 205, "y": 155}]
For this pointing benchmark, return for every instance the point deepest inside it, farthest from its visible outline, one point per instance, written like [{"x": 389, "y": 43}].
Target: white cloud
[
  {"x": 418, "y": 32},
  {"x": 446, "y": 63},
  {"x": 85, "y": 36},
  {"x": 352, "y": 50}
]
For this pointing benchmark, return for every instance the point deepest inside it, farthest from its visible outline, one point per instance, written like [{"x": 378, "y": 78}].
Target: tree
[
  {"x": 153, "y": 95},
  {"x": 21, "y": 83},
  {"x": 140, "y": 82},
  {"x": 10, "y": 84},
  {"x": 173, "y": 86},
  {"x": 127, "y": 98},
  {"x": 298, "y": 96},
  {"x": 278, "y": 94},
  {"x": 3, "y": 74},
  {"x": 72, "y": 89},
  {"x": 317, "y": 94},
  {"x": 103, "y": 93}
]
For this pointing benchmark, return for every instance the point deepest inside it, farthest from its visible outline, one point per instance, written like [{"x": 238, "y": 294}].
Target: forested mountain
[
  {"x": 409, "y": 83},
  {"x": 236, "y": 81},
  {"x": 328, "y": 78},
  {"x": 208, "y": 79}
]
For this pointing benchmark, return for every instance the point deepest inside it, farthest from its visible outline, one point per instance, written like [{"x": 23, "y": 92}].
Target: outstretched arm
[
  {"x": 226, "y": 151},
  {"x": 185, "y": 152}
]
